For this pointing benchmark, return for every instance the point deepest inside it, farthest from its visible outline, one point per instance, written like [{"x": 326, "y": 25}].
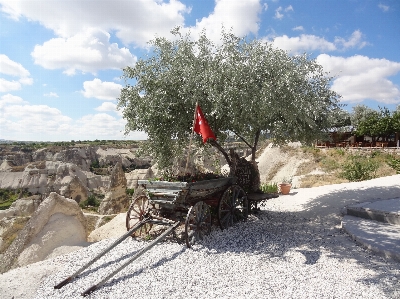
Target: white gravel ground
[{"x": 293, "y": 248}]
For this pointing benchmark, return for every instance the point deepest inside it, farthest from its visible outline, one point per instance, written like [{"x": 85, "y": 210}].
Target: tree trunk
[
  {"x": 246, "y": 172},
  {"x": 221, "y": 149}
]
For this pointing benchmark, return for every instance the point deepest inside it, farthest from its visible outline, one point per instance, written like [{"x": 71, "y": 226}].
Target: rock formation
[
  {"x": 112, "y": 229},
  {"x": 52, "y": 169},
  {"x": 22, "y": 207},
  {"x": 58, "y": 221},
  {"x": 137, "y": 174},
  {"x": 46, "y": 176},
  {"x": 75, "y": 190},
  {"x": 116, "y": 199}
]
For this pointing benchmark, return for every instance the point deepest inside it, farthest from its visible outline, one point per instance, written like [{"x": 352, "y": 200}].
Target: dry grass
[
  {"x": 316, "y": 180},
  {"x": 306, "y": 167},
  {"x": 331, "y": 160},
  {"x": 10, "y": 234},
  {"x": 263, "y": 145},
  {"x": 274, "y": 170}
]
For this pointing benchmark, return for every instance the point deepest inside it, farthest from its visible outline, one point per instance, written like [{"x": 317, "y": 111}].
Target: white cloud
[
  {"x": 278, "y": 15},
  {"x": 355, "y": 40},
  {"x": 6, "y": 85},
  {"x": 289, "y": 8},
  {"x": 306, "y": 43},
  {"x": 11, "y": 68},
  {"x": 278, "y": 12},
  {"x": 383, "y": 7},
  {"x": 133, "y": 21},
  {"x": 240, "y": 16},
  {"x": 298, "y": 28},
  {"x": 303, "y": 43},
  {"x": 79, "y": 47},
  {"x": 103, "y": 126},
  {"x": 107, "y": 106},
  {"x": 100, "y": 125},
  {"x": 51, "y": 95},
  {"x": 101, "y": 90},
  {"x": 10, "y": 99},
  {"x": 88, "y": 51},
  {"x": 265, "y": 6},
  {"x": 21, "y": 121},
  {"x": 360, "y": 78}
]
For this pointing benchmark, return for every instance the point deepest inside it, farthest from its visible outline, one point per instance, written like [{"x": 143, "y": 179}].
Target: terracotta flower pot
[{"x": 285, "y": 188}]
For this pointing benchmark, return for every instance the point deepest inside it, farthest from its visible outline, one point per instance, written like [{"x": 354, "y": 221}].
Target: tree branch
[
  {"x": 254, "y": 148},
  {"x": 244, "y": 140},
  {"x": 221, "y": 149}
]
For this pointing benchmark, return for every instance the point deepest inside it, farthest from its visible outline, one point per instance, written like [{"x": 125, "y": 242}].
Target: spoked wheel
[
  {"x": 136, "y": 212},
  {"x": 198, "y": 223},
  {"x": 232, "y": 206}
]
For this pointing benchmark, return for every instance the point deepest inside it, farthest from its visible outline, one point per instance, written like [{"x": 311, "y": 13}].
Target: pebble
[{"x": 273, "y": 254}]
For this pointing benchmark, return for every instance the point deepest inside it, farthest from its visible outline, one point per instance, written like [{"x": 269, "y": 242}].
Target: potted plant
[{"x": 285, "y": 185}]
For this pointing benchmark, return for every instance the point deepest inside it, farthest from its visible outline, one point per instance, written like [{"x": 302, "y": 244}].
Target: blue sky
[{"x": 61, "y": 60}]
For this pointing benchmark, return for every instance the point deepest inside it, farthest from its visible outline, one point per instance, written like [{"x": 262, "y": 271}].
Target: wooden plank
[
  {"x": 162, "y": 184},
  {"x": 210, "y": 184}
]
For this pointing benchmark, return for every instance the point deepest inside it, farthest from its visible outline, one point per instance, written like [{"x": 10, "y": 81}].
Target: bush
[
  {"x": 94, "y": 164},
  {"x": 269, "y": 188},
  {"x": 8, "y": 196},
  {"x": 359, "y": 168},
  {"x": 92, "y": 201},
  {"x": 394, "y": 163},
  {"x": 130, "y": 192}
]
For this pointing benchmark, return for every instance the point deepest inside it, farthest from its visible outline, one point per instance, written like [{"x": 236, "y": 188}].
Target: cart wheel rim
[
  {"x": 232, "y": 206},
  {"x": 136, "y": 212},
  {"x": 198, "y": 223}
]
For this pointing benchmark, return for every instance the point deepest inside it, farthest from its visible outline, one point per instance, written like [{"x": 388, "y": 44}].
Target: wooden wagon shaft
[
  {"x": 118, "y": 241},
  {"x": 137, "y": 255}
]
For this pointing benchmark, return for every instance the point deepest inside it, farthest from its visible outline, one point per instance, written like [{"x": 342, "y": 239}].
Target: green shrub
[
  {"x": 329, "y": 164},
  {"x": 340, "y": 152},
  {"x": 375, "y": 154},
  {"x": 8, "y": 196},
  {"x": 130, "y": 192},
  {"x": 394, "y": 163},
  {"x": 359, "y": 168},
  {"x": 94, "y": 164},
  {"x": 92, "y": 201},
  {"x": 269, "y": 188}
]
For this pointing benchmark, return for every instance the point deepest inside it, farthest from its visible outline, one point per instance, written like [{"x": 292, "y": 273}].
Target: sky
[{"x": 61, "y": 61}]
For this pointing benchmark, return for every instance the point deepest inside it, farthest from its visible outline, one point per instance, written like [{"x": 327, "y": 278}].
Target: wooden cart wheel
[
  {"x": 232, "y": 207},
  {"x": 198, "y": 223},
  {"x": 136, "y": 212}
]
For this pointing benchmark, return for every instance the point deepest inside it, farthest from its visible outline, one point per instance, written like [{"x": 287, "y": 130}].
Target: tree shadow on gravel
[
  {"x": 308, "y": 234},
  {"x": 312, "y": 232}
]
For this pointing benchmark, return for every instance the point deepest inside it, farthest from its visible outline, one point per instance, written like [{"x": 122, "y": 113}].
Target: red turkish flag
[{"x": 201, "y": 126}]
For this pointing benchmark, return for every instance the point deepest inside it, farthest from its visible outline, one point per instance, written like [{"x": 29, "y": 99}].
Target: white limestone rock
[
  {"x": 58, "y": 221},
  {"x": 116, "y": 199}
]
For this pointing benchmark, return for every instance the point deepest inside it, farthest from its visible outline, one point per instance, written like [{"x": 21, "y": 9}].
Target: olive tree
[{"x": 246, "y": 88}]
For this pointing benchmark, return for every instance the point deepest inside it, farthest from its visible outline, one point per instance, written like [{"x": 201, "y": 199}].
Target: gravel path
[{"x": 275, "y": 254}]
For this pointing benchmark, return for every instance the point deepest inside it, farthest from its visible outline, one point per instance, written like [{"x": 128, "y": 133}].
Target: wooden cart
[{"x": 191, "y": 203}]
